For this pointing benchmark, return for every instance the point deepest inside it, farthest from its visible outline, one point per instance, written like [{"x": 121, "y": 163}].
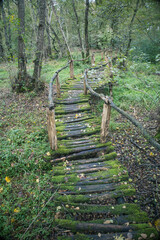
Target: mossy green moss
[
  {"x": 65, "y": 178},
  {"x": 73, "y": 198},
  {"x": 151, "y": 233},
  {"x": 111, "y": 172}
]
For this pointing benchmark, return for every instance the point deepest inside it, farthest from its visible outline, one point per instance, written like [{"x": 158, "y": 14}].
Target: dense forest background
[{"x": 129, "y": 27}]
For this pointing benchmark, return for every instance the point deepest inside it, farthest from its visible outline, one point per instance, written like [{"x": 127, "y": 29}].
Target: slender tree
[
  {"x": 60, "y": 25},
  {"x": 22, "y": 71},
  {"x": 86, "y": 28},
  {"x": 131, "y": 27},
  {"x": 48, "y": 22},
  {"x": 78, "y": 28},
  {"x": 40, "y": 43},
  {"x": 1, "y": 41},
  {"x": 9, "y": 31}
]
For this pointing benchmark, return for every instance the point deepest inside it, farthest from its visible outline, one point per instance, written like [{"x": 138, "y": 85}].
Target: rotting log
[
  {"x": 105, "y": 121},
  {"x": 71, "y": 69},
  {"x": 58, "y": 86},
  {"x": 51, "y": 129}
]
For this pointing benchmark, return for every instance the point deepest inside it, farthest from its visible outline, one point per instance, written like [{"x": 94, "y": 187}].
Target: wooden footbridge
[{"x": 93, "y": 197}]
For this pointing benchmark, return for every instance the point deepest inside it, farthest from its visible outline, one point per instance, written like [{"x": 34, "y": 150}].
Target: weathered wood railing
[
  {"x": 108, "y": 103},
  {"x": 50, "y": 111}
]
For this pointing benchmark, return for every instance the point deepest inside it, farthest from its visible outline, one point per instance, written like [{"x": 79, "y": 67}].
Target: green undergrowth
[{"x": 28, "y": 177}]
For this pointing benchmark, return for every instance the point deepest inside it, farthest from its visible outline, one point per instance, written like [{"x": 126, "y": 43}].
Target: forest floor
[{"x": 25, "y": 145}]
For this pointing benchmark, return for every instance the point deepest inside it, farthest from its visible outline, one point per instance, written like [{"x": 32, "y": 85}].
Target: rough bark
[
  {"x": 9, "y": 31},
  {"x": 86, "y": 28},
  {"x": 40, "y": 42},
  {"x": 1, "y": 42},
  {"x": 78, "y": 28},
  {"x": 105, "y": 121},
  {"x": 5, "y": 26},
  {"x": 51, "y": 129},
  {"x": 130, "y": 28},
  {"x": 49, "y": 48},
  {"x": 58, "y": 41},
  {"x": 22, "y": 71}
]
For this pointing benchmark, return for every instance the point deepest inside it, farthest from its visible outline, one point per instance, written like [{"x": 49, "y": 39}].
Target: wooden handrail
[
  {"x": 107, "y": 100},
  {"x": 50, "y": 111}
]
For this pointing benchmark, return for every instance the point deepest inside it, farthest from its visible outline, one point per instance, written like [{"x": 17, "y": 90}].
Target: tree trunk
[
  {"x": 5, "y": 26},
  {"x": 22, "y": 71},
  {"x": 49, "y": 48},
  {"x": 9, "y": 32},
  {"x": 130, "y": 28},
  {"x": 1, "y": 41},
  {"x": 86, "y": 28},
  {"x": 58, "y": 40},
  {"x": 78, "y": 29},
  {"x": 40, "y": 41}
]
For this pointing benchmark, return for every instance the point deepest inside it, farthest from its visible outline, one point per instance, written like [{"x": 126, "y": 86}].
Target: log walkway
[{"x": 94, "y": 198}]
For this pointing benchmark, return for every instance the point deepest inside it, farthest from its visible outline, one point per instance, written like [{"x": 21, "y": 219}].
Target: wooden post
[
  {"x": 102, "y": 53},
  {"x": 51, "y": 129},
  {"x": 71, "y": 69},
  {"x": 84, "y": 84},
  {"x": 58, "y": 87},
  {"x": 105, "y": 121},
  {"x": 93, "y": 59},
  {"x": 106, "y": 58}
]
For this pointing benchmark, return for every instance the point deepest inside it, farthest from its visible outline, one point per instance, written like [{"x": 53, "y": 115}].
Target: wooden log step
[
  {"x": 109, "y": 156},
  {"x": 64, "y": 111},
  {"x": 91, "y": 227},
  {"x": 111, "y": 210},
  {"x": 77, "y": 133},
  {"x": 99, "y": 236},
  {"x": 90, "y": 152},
  {"x": 102, "y": 181},
  {"x": 100, "y": 198},
  {"x": 73, "y": 120},
  {"x": 92, "y": 189},
  {"x": 74, "y": 116},
  {"x": 67, "y": 128},
  {"x": 70, "y": 101}
]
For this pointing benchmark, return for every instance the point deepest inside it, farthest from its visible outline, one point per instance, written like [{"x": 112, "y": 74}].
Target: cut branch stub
[
  {"x": 71, "y": 69},
  {"x": 58, "y": 87},
  {"x": 105, "y": 121},
  {"x": 51, "y": 129}
]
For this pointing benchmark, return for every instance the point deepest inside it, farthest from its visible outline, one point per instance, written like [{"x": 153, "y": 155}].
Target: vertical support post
[
  {"x": 51, "y": 129},
  {"x": 102, "y": 53},
  {"x": 71, "y": 69},
  {"x": 84, "y": 83},
  {"x": 106, "y": 58},
  {"x": 93, "y": 59},
  {"x": 105, "y": 121},
  {"x": 58, "y": 87}
]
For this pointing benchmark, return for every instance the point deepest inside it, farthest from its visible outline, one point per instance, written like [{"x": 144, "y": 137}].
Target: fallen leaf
[
  {"x": 99, "y": 235},
  {"x": 8, "y": 179},
  {"x": 144, "y": 236},
  {"x": 108, "y": 221}
]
